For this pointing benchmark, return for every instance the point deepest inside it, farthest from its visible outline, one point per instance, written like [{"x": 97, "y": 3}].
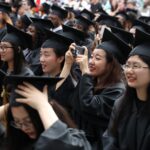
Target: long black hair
[
  {"x": 19, "y": 60},
  {"x": 16, "y": 138},
  {"x": 125, "y": 105}
]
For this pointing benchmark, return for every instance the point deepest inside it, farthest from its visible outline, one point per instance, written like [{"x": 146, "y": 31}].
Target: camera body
[{"x": 77, "y": 51}]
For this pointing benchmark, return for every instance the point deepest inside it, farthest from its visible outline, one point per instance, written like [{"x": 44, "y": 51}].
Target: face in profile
[
  {"x": 50, "y": 62},
  {"x": 6, "y": 52},
  {"x": 23, "y": 122}
]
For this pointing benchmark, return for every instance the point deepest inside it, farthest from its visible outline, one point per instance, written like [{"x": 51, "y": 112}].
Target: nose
[
  {"x": 42, "y": 58},
  {"x": 91, "y": 61},
  {"x": 24, "y": 128}
]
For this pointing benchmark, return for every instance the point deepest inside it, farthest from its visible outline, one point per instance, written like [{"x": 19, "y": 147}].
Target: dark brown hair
[{"x": 113, "y": 73}]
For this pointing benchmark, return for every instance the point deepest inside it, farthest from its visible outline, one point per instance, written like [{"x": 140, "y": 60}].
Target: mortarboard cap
[
  {"x": 74, "y": 34},
  {"x": 17, "y": 37},
  {"x": 5, "y": 8},
  {"x": 61, "y": 13},
  {"x": 123, "y": 14},
  {"x": 57, "y": 41},
  {"x": 125, "y": 36},
  {"x": 46, "y": 6},
  {"x": 132, "y": 14},
  {"x": 87, "y": 14},
  {"x": 32, "y": 3},
  {"x": 83, "y": 21},
  {"x": 142, "y": 44},
  {"x": 108, "y": 20},
  {"x": 141, "y": 26},
  {"x": 44, "y": 23},
  {"x": 115, "y": 46},
  {"x": 26, "y": 20},
  {"x": 145, "y": 19},
  {"x": 37, "y": 81}
]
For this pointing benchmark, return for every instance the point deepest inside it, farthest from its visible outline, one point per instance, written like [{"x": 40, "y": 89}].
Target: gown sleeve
[
  {"x": 109, "y": 139},
  {"x": 59, "y": 137},
  {"x": 101, "y": 103}
]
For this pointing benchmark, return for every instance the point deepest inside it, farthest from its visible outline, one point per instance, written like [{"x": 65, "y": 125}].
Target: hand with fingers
[
  {"x": 69, "y": 59},
  {"x": 32, "y": 96},
  {"x": 82, "y": 60},
  {"x": 39, "y": 101}
]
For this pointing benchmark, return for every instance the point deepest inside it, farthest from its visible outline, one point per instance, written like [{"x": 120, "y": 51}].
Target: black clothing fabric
[
  {"x": 57, "y": 137},
  {"x": 32, "y": 58},
  {"x": 60, "y": 137},
  {"x": 133, "y": 130},
  {"x": 63, "y": 93},
  {"x": 91, "y": 111},
  {"x": 95, "y": 8},
  {"x": 3, "y": 32}
]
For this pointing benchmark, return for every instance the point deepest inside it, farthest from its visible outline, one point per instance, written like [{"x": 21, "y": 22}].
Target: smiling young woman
[
  {"x": 100, "y": 85},
  {"x": 130, "y": 121}
]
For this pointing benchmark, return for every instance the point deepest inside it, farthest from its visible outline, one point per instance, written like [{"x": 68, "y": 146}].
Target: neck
[
  {"x": 10, "y": 66},
  {"x": 54, "y": 73},
  {"x": 142, "y": 94}
]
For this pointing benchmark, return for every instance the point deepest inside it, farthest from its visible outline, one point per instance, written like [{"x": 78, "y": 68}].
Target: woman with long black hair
[{"x": 129, "y": 127}]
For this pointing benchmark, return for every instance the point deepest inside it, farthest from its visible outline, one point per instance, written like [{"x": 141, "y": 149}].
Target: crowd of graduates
[{"x": 74, "y": 78}]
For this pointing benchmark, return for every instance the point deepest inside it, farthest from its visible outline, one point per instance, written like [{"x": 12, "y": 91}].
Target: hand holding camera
[{"x": 77, "y": 50}]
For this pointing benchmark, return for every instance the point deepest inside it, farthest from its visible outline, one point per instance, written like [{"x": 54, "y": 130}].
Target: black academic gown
[
  {"x": 133, "y": 131},
  {"x": 59, "y": 137},
  {"x": 91, "y": 111},
  {"x": 3, "y": 32},
  {"x": 63, "y": 93},
  {"x": 32, "y": 58}
]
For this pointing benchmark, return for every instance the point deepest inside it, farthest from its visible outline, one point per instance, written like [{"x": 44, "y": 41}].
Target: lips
[
  {"x": 131, "y": 79},
  {"x": 91, "y": 68},
  {"x": 31, "y": 135}
]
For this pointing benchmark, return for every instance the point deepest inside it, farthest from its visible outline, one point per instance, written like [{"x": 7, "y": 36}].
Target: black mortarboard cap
[
  {"x": 74, "y": 34},
  {"x": 130, "y": 10},
  {"x": 87, "y": 14},
  {"x": 32, "y": 3},
  {"x": 56, "y": 10},
  {"x": 26, "y": 20},
  {"x": 37, "y": 81},
  {"x": 83, "y": 21},
  {"x": 46, "y": 6},
  {"x": 69, "y": 8},
  {"x": 18, "y": 37},
  {"x": 115, "y": 46},
  {"x": 141, "y": 26},
  {"x": 57, "y": 41},
  {"x": 125, "y": 36},
  {"x": 44, "y": 23},
  {"x": 144, "y": 19},
  {"x": 132, "y": 14},
  {"x": 5, "y": 8},
  {"x": 108, "y": 20},
  {"x": 142, "y": 44},
  {"x": 123, "y": 14}
]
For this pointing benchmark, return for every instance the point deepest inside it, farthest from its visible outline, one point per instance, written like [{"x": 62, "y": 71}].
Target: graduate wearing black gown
[{"x": 129, "y": 127}]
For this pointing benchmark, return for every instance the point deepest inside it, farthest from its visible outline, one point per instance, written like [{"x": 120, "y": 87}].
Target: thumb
[{"x": 85, "y": 51}]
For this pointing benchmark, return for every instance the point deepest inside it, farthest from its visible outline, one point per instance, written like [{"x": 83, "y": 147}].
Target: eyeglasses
[
  {"x": 19, "y": 125},
  {"x": 133, "y": 66},
  {"x": 4, "y": 48}
]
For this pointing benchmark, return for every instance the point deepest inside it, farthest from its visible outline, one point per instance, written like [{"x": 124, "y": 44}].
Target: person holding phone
[{"x": 100, "y": 85}]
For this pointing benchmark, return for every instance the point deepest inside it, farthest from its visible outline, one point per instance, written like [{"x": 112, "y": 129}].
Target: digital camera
[{"x": 77, "y": 51}]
